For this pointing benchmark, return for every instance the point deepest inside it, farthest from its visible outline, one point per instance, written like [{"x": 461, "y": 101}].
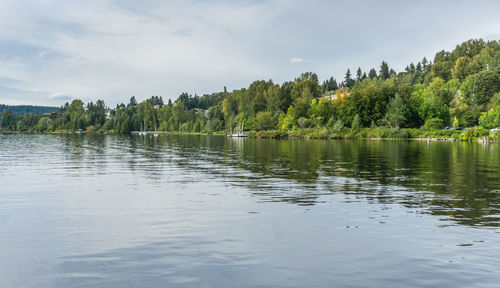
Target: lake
[{"x": 210, "y": 211}]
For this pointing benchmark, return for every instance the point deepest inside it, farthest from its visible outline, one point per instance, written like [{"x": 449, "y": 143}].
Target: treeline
[
  {"x": 20, "y": 110},
  {"x": 457, "y": 88}
]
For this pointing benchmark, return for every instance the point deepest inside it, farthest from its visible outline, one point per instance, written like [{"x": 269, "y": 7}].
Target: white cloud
[
  {"x": 111, "y": 50},
  {"x": 112, "y": 53},
  {"x": 60, "y": 96},
  {"x": 297, "y": 60}
]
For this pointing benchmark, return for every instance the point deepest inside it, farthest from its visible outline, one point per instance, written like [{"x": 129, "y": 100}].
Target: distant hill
[{"x": 20, "y": 110}]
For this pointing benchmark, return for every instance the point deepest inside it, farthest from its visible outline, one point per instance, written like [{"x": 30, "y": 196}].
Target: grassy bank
[{"x": 471, "y": 134}]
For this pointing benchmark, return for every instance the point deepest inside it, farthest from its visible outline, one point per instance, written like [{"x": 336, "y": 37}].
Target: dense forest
[
  {"x": 20, "y": 110},
  {"x": 459, "y": 88}
]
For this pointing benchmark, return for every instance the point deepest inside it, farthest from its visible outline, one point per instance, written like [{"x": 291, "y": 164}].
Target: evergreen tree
[
  {"x": 412, "y": 68},
  {"x": 384, "y": 70},
  {"x": 372, "y": 74},
  {"x": 419, "y": 67},
  {"x": 329, "y": 85},
  {"x": 324, "y": 86},
  {"x": 424, "y": 62},
  {"x": 332, "y": 84},
  {"x": 132, "y": 101},
  {"x": 348, "y": 81},
  {"x": 359, "y": 74}
]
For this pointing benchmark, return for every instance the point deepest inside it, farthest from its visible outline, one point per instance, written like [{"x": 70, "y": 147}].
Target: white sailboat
[
  {"x": 156, "y": 133},
  {"x": 143, "y": 130},
  {"x": 238, "y": 132}
]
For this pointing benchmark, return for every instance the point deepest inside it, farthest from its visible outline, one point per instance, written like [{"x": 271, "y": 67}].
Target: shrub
[
  {"x": 303, "y": 122},
  {"x": 434, "y": 124},
  {"x": 338, "y": 126},
  {"x": 474, "y": 133},
  {"x": 331, "y": 122},
  {"x": 414, "y": 132},
  {"x": 397, "y": 133},
  {"x": 91, "y": 128},
  {"x": 321, "y": 133},
  {"x": 495, "y": 135},
  {"x": 273, "y": 134},
  {"x": 252, "y": 134}
]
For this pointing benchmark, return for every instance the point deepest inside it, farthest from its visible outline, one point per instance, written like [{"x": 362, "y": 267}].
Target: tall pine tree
[
  {"x": 332, "y": 84},
  {"x": 359, "y": 74},
  {"x": 384, "y": 70},
  {"x": 372, "y": 74},
  {"x": 348, "y": 81}
]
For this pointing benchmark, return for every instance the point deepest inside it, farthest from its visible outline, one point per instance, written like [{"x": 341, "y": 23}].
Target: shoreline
[{"x": 260, "y": 135}]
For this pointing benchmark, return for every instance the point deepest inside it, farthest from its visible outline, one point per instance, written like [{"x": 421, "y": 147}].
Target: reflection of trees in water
[
  {"x": 459, "y": 180},
  {"x": 85, "y": 151}
]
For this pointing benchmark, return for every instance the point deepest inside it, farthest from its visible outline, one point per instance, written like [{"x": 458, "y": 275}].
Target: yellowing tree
[{"x": 460, "y": 70}]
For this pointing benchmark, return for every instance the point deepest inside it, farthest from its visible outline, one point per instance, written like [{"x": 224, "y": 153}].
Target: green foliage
[
  {"x": 264, "y": 120},
  {"x": 44, "y": 124},
  {"x": 338, "y": 126},
  {"x": 356, "y": 123},
  {"x": 96, "y": 114},
  {"x": 430, "y": 104},
  {"x": 303, "y": 122},
  {"x": 8, "y": 120},
  {"x": 306, "y": 81},
  {"x": 287, "y": 121},
  {"x": 479, "y": 88},
  {"x": 20, "y": 110},
  {"x": 460, "y": 87},
  {"x": 495, "y": 135},
  {"x": 329, "y": 85},
  {"x": 368, "y": 100},
  {"x": 490, "y": 119},
  {"x": 384, "y": 70},
  {"x": 462, "y": 68},
  {"x": 372, "y": 74},
  {"x": 397, "y": 112},
  {"x": 474, "y": 133},
  {"x": 132, "y": 101},
  {"x": 348, "y": 81},
  {"x": 271, "y": 134},
  {"x": 434, "y": 124}
]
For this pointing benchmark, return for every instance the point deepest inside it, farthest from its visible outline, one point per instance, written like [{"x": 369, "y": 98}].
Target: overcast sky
[{"x": 54, "y": 51}]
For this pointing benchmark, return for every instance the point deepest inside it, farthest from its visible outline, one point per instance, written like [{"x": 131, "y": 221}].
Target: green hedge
[{"x": 382, "y": 132}]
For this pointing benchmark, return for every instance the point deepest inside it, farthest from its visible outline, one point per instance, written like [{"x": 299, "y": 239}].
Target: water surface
[{"x": 208, "y": 211}]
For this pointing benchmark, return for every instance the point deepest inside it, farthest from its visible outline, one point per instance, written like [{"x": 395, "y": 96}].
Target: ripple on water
[{"x": 208, "y": 211}]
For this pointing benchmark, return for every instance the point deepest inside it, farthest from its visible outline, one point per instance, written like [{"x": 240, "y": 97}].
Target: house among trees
[{"x": 110, "y": 113}]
